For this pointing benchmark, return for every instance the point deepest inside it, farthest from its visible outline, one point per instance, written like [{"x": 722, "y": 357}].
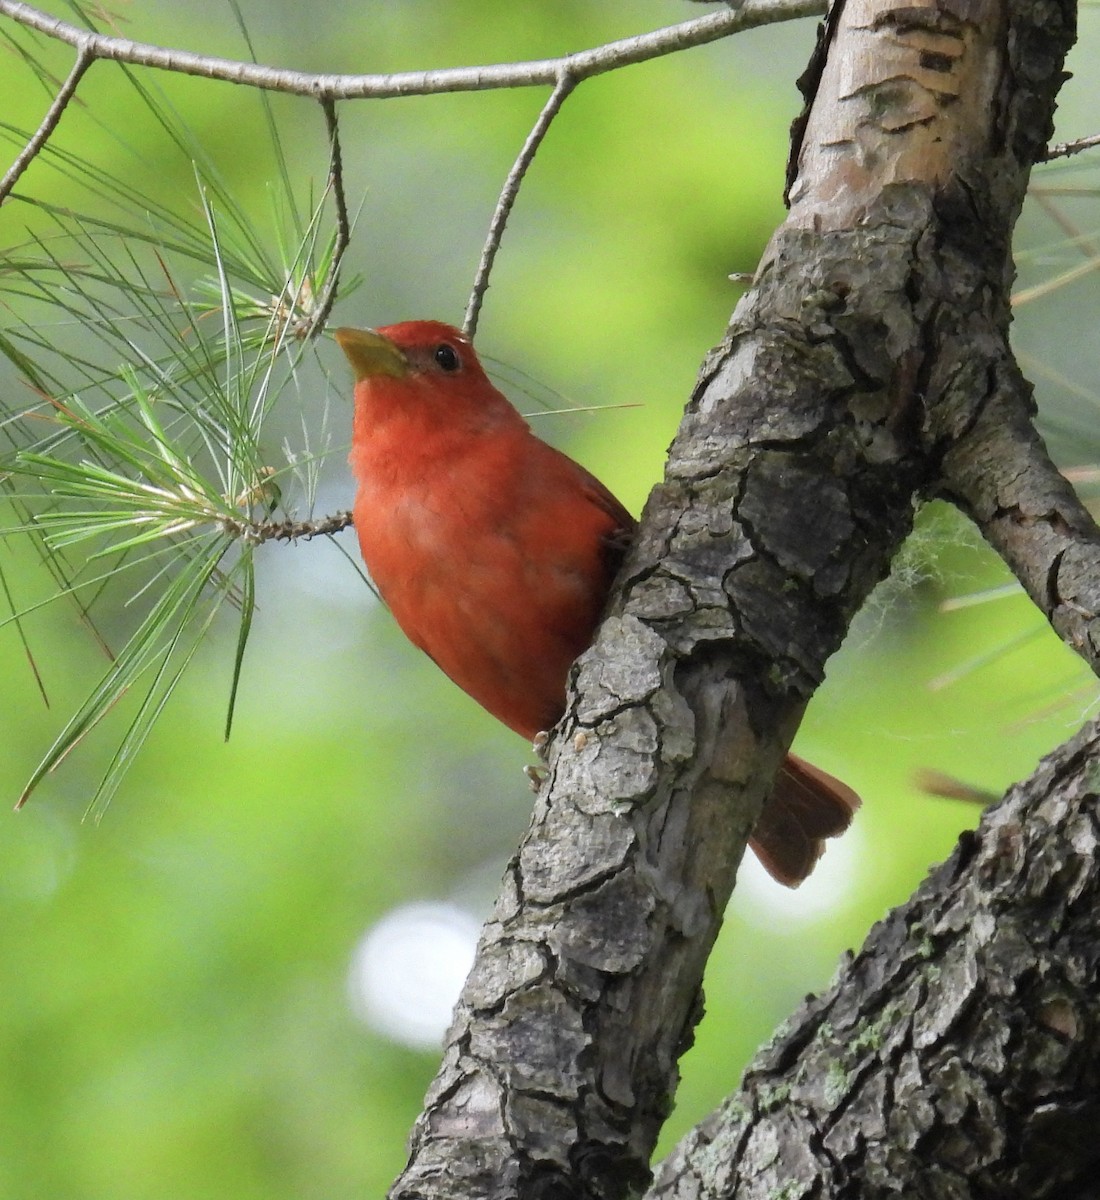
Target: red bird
[{"x": 495, "y": 552}]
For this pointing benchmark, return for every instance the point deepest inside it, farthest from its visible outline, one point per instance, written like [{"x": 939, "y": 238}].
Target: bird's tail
[{"x": 806, "y": 806}]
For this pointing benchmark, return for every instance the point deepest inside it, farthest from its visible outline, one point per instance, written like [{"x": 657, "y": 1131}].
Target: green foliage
[{"x": 144, "y": 455}]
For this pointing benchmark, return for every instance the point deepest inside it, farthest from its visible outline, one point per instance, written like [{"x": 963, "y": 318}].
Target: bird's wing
[{"x": 621, "y": 527}]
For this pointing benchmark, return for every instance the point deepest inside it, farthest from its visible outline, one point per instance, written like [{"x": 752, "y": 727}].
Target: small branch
[
  {"x": 565, "y": 84},
  {"x": 258, "y": 532},
  {"x": 1001, "y": 474},
  {"x": 1066, "y": 149},
  {"x": 343, "y": 225},
  {"x": 582, "y": 65},
  {"x": 84, "y": 60}
]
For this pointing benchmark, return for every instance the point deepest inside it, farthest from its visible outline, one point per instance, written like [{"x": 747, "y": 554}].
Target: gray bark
[
  {"x": 958, "y": 1054},
  {"x": 868, "y": 367}
]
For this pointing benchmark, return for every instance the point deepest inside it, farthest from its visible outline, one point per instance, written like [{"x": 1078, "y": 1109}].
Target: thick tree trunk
[{"x": 868, "y": 366}]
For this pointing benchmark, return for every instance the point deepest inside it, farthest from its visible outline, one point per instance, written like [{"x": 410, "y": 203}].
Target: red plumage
[{"x": 495, "y": 552}]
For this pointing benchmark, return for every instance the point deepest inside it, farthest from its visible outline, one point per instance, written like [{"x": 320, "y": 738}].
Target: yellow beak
[{"x": 371, "y": 354}]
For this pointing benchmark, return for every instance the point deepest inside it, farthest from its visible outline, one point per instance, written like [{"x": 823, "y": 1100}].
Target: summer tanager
[{"x": 495, "y": 552}]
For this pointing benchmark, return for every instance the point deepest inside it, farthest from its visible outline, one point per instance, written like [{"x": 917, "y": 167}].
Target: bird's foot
[
  {"x": 539, "y": 743},
  {"x": 536, "y": 776}
]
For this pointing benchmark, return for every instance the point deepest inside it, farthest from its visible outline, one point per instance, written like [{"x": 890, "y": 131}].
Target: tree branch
[
  {"x": 343, "y": 225},
  {"x": 583, "y": 64},
  {"x": 562, "y": 73},
  {"x": 1067, "y": 149},
  {"x": 812, "y": 432},
  {"x": 84, "y": 60},
  {"x": 256, "y": 532},
  {"x": 999, "y": 472},
  {"x": 508, "y": 193},
  {"x": 958, "y": 1054}
]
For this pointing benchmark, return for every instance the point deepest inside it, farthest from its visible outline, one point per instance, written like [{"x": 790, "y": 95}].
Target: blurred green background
[{"x": 187, "y": 1008}]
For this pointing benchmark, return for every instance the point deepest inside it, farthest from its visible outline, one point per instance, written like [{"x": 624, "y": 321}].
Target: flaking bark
[{"x": 856, "y": 377}]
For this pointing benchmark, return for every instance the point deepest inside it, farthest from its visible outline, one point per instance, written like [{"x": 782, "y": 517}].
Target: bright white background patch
[
  {"x": 762, "y": 901},
  {"x": 408, "y": 969}
]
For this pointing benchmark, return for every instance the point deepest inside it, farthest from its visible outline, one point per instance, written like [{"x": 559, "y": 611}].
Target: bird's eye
[{"x": 447, "y": 357}]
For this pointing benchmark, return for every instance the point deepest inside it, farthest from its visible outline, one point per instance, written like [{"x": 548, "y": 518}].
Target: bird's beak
[{"x": 371, "y": 354}]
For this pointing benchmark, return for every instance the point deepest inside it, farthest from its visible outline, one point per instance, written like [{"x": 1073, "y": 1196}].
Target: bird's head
[
  {"x": 410, "y": 351},
  {"x": 422, "y": 371}
]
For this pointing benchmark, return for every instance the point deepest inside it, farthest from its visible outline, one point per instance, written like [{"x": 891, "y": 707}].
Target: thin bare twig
[
  {"x": 565, "y": 84},
  {"x": 343, "y": 225},
  {"x": 286, "y": 531},
  {"x": 563, "y": 73},
  {"x": 84, "y": 59},
  {"x": 1066, "y": 149},
  {"x": 582, "y": 65}
]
